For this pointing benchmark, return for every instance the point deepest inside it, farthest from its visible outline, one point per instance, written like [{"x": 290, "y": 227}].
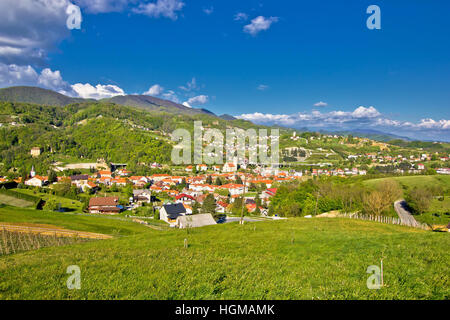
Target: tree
[
  {"x": 419, "y": 199},
  {"x": 209, "y": 180},
  {"x": 209, "y": 204},
  {"x": 218, "y": 182},
  {"x": 52, "y": 177},
  {"x": 51, "y": 205},
  {"x": 374, "y": 203},
  {"x": 195, "y": 208},
  {"x": 238, "y": 180}
]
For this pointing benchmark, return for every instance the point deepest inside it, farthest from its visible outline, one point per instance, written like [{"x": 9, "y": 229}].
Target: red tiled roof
[{"x": 106, "y": 201}]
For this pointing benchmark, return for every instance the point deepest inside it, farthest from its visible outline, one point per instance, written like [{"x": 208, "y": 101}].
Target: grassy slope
[
  {"x": 5, "y": 199},
  {"x": 439, "y": 208},
  {"x": 70, "y": 204},
  {"x": 415, "y": 181},
  {"x": 89, "y": 223},
  {"x": 327, "y": 260}
]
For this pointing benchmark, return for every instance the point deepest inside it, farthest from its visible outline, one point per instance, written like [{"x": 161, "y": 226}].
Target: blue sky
[{"x": 272, "y": 65}]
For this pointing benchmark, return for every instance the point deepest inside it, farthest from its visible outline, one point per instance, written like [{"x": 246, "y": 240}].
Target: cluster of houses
[
  {"x": 443, "y": 171},
  {"x": 338, "y": 172}
]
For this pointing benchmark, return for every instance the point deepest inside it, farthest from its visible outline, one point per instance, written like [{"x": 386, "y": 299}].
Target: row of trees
[{"x": 328, "y": 194}]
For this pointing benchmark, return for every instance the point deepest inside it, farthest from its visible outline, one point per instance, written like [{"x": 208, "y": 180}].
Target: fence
[
  {"x": 388, "y": 220},
  {"x": 14, "y": 241}
]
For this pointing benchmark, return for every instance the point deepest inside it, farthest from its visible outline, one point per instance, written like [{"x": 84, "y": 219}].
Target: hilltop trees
[
  {"x": 419, "y": 199},
  {"x": 382, "y": 198}
]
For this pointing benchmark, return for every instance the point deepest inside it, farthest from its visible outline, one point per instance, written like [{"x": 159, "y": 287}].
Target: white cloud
[
  {"x": 361, "y": 117},
  {"x": 100, "y": 91},
  {"x": 102, "y": 6},
  {"x": 259, "y": 24},
  {"x": 262, "y": 87},
  {"x": 240, "y": 16},
  {"x": 161, "y": 8},
  {"x": 29, "y": 29},
  {"x": 190, "y": 86},
  {"x": 197, "y": 101},
  {"x": 320, "y": 104},
  {"x": 14, "y": 75},
  {"x": 52, "y": 80},
  {"x": 171, "y": 95},
  {"x": 154, "y": 90},
  {"x": 186, "y": 104},
  {"x": 209, "y": 10}
]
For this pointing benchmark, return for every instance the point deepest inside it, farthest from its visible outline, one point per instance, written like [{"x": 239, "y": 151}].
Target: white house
[
  {"x": 37, "y": 181},
  {"x": 229, "y": 167},
  {"x": 170, "y": 212}
]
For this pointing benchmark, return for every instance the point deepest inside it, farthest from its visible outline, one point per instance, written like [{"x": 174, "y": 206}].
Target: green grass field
[
  {"x": 439, "y": 213},
  {"x": 415, "y": 181},
  {"x": 111, "y": 225},
  {"x": 71, "y": 205},
  {"x": 15, "y": 202},
  {"x": 288, "y": 259}
]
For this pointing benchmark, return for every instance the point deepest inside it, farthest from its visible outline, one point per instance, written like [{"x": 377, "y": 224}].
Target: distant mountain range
[
  {"x": 48, "y": 97},
  {"x": 41, "y": 96},
  {"x": 372, "y": 134}
]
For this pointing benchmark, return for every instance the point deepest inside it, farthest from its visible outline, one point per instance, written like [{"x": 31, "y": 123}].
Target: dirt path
[{"x": 51, "y": 230}]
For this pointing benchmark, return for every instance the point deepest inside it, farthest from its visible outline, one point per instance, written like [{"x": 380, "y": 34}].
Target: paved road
[
  {"x": 405, "y": 216},
  {"x": 237, "y": 219}
]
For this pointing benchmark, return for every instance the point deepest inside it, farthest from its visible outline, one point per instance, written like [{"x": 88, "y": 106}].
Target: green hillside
[
  {"x": 36, "y": 95},
  {"x": 291, "y": 259}
]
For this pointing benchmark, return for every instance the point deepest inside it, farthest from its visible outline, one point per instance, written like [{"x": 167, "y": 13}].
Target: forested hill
[
  {"x": 36, "y": 95},
  {"x": 90, "y": 130},
  {"x": 50, "y": 98}
]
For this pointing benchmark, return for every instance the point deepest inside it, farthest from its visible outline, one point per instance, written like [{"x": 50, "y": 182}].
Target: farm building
[
  {"x": 104, "y": 205},
  {"x": 195, "y": 221}
]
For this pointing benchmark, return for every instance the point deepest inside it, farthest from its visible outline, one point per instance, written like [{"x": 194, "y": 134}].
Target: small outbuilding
[{"x": 195, "y": 221}]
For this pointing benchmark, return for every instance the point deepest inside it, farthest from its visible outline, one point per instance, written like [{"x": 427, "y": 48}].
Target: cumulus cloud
[
  {"x": 240, "y": 16},
  {"x": 361, "y": 117},
  {"x": 31, "y": 28},
  {"x": 52, "y": 80},
  {"x": 154, "y": 90},
  {"x": 100, "y": 91},
  {"x": 259, "y": 24},
  {"x": 197, "y": 101},
  {"x": 320, "y": 104},
  {"x": 161, "y": 8},
  {"x": 14, "y": 75}
]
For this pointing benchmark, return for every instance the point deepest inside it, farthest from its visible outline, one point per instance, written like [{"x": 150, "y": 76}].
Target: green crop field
[{"x": 288, "y": 259}]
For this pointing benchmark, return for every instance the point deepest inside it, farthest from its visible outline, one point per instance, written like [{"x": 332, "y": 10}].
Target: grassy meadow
[
  {"x": 288, "y": 259},
  {"x": 415, "y": 181}
]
